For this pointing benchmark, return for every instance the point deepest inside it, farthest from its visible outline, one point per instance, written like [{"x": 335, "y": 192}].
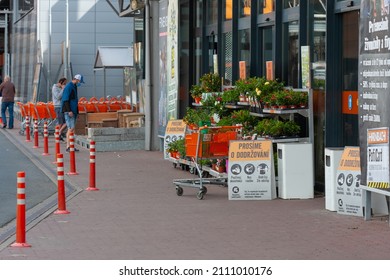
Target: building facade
[
  {"x": 270, "y": 32},
  {"x": 42, "y": 34}
]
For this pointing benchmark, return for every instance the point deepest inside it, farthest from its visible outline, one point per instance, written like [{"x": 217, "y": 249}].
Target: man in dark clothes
[
  {"x": 69, "y": 105},
  {"x": 7, "y": 88}
]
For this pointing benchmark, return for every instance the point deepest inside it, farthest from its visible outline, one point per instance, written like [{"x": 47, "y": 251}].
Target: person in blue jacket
[{"x": 69, "y": 105}]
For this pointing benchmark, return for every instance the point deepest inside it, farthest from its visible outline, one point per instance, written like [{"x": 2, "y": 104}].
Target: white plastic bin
[
  {"x": 332, "y": 160},
  {"x": 295, "y": 170}
]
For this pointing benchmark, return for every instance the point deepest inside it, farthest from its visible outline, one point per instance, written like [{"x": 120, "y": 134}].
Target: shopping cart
[{"x": 206, "y": 143}]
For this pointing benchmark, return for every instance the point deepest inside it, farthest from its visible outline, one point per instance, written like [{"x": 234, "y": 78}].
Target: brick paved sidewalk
[{"x": 136, "y": 214}]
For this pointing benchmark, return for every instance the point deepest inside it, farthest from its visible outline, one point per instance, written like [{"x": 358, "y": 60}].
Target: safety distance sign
[{"x": 251, "y": 173}]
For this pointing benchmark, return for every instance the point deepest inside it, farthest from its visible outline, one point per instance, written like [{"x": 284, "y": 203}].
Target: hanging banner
[
  {"x": 305, "y": 62},
  {"x": 172, "y": 60},
  {"x": 163, "y": 31},
  {"x": 251, "y": 174},
  {"x": 374, "y": 98},
  {"x": 348, "y": 192}
]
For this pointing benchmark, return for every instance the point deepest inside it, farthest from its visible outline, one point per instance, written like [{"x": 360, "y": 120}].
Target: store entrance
[{"x": 349, "y": 66}]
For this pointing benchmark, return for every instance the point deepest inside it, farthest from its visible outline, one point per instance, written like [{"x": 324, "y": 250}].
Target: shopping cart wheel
[
  {"x": 204, "y": 190},
  {"x": 200, "y": 195},
  {"x": 179, "y": 191},
  {"x": 174, "y": 165},
  {"x": 192, "y": 170}
]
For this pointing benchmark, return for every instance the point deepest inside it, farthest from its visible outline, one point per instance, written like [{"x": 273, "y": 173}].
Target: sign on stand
[
  {"x": 251, "y": 173},
  {"x": 175, "y": 130},
  {"x": 348, "y": 193}
]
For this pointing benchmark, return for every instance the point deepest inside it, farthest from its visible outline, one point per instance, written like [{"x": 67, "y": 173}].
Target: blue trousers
[{"x": 10, "y": 106}]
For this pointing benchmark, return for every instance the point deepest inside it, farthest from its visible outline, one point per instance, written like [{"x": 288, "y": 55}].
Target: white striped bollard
[
  {"x": 28, "y": 139},
  {"x": 72, "y": 156},
  {"x": 45, "y": 140},
  {"x": 57, "y": 141},
  {"x": 36, "y": 143},
  {"x": 61, "y": 186},
  {"x": 21, "y": 211},
  {"x": 92, "y": 169}
]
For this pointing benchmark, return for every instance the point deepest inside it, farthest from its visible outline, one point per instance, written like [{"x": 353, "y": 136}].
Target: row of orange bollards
[{"x": 59, "y": 160}]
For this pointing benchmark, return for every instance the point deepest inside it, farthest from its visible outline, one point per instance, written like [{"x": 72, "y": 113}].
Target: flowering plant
[{"x": 211, "y": 82}]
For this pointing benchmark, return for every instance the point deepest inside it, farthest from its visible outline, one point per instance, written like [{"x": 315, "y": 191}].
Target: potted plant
[
  {"x": 220, "y": 166},
  {"x": 230, "y": 96},
  {"x": 181, "y": 149},
  {"x": 211, "y": 82},
  {"x": 291, "y": 128},
  {"x": 172, "y": 149},
  {"x": 196, "y": 93}
]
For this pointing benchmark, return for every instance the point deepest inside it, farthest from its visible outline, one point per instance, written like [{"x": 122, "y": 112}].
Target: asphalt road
[{"x": 38, "y": 185}]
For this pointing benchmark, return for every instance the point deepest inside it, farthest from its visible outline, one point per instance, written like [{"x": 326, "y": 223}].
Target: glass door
[{"x": 349, "y": 66}]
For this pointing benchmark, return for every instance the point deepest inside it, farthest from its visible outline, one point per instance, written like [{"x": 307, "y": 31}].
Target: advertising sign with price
[
  {"x": 373, "y": 94},
  {"x": 348, "y": 192},
  {"x": 251, "y": 174},
  {"x": 175, "y": 130},
  {"x": 378, "y": 158}
]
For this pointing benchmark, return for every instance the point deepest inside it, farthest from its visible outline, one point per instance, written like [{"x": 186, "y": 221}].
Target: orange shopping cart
[{"x": 206, "y": 143}]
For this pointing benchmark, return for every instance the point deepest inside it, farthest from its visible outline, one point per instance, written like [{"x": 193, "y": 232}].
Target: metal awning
[{"x": 114, "y": 57}]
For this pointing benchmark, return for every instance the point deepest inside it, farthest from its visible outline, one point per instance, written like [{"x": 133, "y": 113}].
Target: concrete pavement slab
[{"x": 136, "y": 214}]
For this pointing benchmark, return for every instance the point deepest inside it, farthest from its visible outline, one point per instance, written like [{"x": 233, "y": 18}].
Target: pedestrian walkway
[{"x": 136, "y": 215}]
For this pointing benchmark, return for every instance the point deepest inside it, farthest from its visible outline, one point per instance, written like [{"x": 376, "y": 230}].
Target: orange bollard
[
  {"x": 28, "y": 129},
  {"x": 45, "y": 140},
  {"x": 72, "y": 156},
  {"x": 92, "y": 170},
  {"x": 36, "y": 143},
  {"x": 57, "y": 146},
  {"x": 61, "y": 186},
  {"x": 21, "y": 211}
]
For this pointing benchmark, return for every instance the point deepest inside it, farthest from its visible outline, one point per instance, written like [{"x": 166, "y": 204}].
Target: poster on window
[
  {"x": 373, "y": 90},
  {"x": 162, "y": 101},
  {"x": 172, "y": 60}
]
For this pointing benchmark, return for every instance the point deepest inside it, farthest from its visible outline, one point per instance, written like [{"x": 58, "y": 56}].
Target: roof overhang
[{"x": 114, "y": 57}]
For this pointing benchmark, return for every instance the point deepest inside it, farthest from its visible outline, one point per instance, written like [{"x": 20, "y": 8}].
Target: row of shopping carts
[
  {"x": 40, "y": 112},
  {"x": 103, "y": 104},
  {"x": 45, "y": 113}
]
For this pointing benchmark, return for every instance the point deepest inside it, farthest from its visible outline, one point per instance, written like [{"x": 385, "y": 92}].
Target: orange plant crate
[
  {"x": 191, "y": 142},
  {"x": 219, "y": 145}
]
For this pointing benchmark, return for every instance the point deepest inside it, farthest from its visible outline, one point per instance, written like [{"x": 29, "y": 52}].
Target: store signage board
[
  {"x": 251, "y": 174},
  {"x": 378, "y": 158},
  {"x": 175, "y": 130},
  {"x": 348, "y": 192},
  {"x": 373, "y": 96}
]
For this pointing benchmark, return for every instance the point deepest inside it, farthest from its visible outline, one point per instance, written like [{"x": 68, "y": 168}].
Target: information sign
[
  {"x": 348, "y": 193},
  {"x": 175, "y": 130},
  {"x": 378, "y": 157},
  {"x": 251, "y": 174}
]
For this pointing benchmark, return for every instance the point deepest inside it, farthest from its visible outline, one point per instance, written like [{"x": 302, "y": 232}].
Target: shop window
[
  {"x": 212, "y": 10},
  {"x": 266, "y": 6},
  {"x": 244, "y": 48},
  {"x": 228, "y": 9},
  {"x": 227, "y": 58},
  {"x": 290, "y": 4},
  {"x": 267, "y": 36},
  {"x": 291, "y": 53},
  {"x": 245, "y": 8}
]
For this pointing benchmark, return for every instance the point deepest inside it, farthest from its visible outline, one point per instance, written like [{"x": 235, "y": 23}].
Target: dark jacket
[
  {"x": 8, "y": 91},
  {"x": 70, "y": 100}
]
